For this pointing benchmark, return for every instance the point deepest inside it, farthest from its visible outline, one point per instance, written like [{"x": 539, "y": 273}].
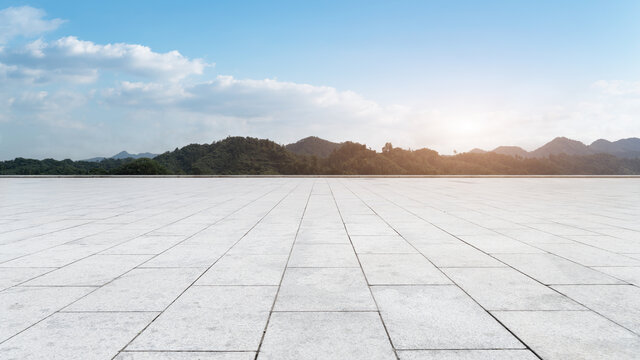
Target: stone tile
[
  {"x": 561, "y": 335},
  {"x": 211, "y": 318},
  {"x": 618, "y": 303},
  {"x": 95, "y": 270},
  {"x": 233, "y": 269},
  {"x": 323, "y": 255},
  {"x": 533, "y": 236},
  {"x": 55, "y": 257},
  {"x": 589, "y": 255},
  {"x": 550, "y": 269},
  {"x": 589, "y": 221},
  {"x": 609, "y": 243},
  {"x": 561, "y": 229},
  {"x": 315, "y": 236},
  {"x": 14, "y": 276},
  {"x": 191, "y": 355},
  {"x": 324, "y": 289},
  {"x": 76, "y": 336},
  {"x": 438, "y": 317},
  {"x": 457, "y": 255},
  {"x": 373, "y": 228},
  {"x": 263, "y": 246},
  {"x": 507, "y": 289},
  {"x": 21, "y": 307},
  {"x": 139, "y": 290},
  {"x": 326, "y": 335},
  {"x": 381, "y": 245},
  {"x": 496, "y": 244},
  {"x": 628, "y": 274},
  {"x": 400, "y": 269},
  {"x": 197, "y": 256},
  {"x": 466, "y": 355},
  {"x": 145, "y": 245}
]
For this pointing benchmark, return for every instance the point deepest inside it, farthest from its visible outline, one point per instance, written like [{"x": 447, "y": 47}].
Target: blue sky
[{"x": 88, "y": 78}]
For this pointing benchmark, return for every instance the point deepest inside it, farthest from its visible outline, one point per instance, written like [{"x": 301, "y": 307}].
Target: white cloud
[
  {"x": 618, "y": 87},
  {"x": 71, "y": 59},
  {"x": 161, "y": 102},
  {"x": 24, "y": 21},
  {"x": 280, "y": 110}
]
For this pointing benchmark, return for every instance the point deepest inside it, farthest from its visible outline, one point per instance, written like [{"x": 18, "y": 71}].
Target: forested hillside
[{"x": 251, "y": 156}]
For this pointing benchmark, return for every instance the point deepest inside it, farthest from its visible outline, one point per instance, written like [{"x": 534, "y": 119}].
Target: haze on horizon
[{"x": 85, "y": 79}]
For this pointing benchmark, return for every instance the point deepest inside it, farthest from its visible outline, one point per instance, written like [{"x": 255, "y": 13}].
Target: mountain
[
  {"x": 561, "y": 145},
  {"x": 123, "y": 155},
  {"x": 126, "y": 155},
  {"x": 251, "y": 156},
  {"x": 623, "y": 148},
  {"x": 235, "y": 155},
  {"x": 627, "y": 148},
  {"x": 477, "y": 151},
  {"x": 511, "y": 151},
  {"x": 313, "y": 146}
]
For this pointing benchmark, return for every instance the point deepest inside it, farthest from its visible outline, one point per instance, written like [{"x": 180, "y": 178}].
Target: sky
[{"x": 80, "y": 79}]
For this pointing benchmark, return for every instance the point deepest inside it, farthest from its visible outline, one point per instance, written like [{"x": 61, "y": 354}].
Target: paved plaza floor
[{"x": 314, "y": 268}]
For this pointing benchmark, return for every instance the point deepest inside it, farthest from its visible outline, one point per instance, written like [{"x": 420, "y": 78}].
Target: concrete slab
[
  {"x": 326, "y": 335},
  {"x": 210, "y": 318},
  {"x": 560, "y": 335},
  {"x": 106, "y": 274},
  {"x": 76, "y": 336},
  {"x": 508, "y": 289},
  {"x": 401, "y": 269},
  {"x": 324, "y": 289},
  {"x": 439, "y": 317}
]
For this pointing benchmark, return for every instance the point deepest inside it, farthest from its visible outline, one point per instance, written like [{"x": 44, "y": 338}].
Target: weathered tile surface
[{"x": 318, "y": 268}]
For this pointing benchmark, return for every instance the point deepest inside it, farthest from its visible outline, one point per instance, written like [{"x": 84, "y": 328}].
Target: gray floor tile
[
  {"x": 214, "y": 318},
  {"x": 139, "y": 290},
  {"x": 324, "y": 289},
  {"x": 323, "y": 335},
  {"x": 188, "y": 256},
  {"x": 381, "y": 245},
  {"x": 466, "y": 355},
  {"x": 192, "y": 355},
  {"x": 240, "y": 269},
  {"x": 21, "y": 307},
  {"x": 628, "y": 274},
  {"x": 619, "y": 303},
  {"x": 145, "y": 245},
  {"x": 507, "y": 289},
  {"x": 457, "y": 255},
  {"x": 551, "y": 269},
  {"x": 95, "y": 270},
  {"x": 400, "y": 269},
  {"x": 323, "y": 255},
  {"x": 76, "y": 336},
  {"x": 496, "y": 244},
  {"x": 14, "y": 276},
  {"x": 438, "y": 317},
  {"x": 562, "y": 335},
  {"x": 589, "y": 256}
]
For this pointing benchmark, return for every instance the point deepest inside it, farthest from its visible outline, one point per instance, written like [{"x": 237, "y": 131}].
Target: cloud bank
[
  {"x": 24, "y": 21},
  {"x": 69, "y": 97}
]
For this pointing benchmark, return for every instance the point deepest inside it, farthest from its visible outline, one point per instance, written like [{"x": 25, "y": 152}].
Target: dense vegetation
[
  {"x": 313, "y": 145},
  {"x": 21, "y": 166},
  {"x": 250, "y": 156}
]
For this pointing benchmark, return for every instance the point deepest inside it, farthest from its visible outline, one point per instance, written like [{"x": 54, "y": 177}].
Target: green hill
[
  {"x": 235, "y": 155},
  {"x": 313, "y": 146}
]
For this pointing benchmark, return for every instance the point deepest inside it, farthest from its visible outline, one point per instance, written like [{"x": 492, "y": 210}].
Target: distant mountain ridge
[
  {"x": 623, "y": 148},
  {"x": 124, "y": 155},
  {"x": 313, "y": 146},
  {"x": 252, "y": 156}
]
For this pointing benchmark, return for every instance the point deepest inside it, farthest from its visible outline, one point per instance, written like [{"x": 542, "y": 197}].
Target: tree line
[{"x": 251, "y": 156}]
